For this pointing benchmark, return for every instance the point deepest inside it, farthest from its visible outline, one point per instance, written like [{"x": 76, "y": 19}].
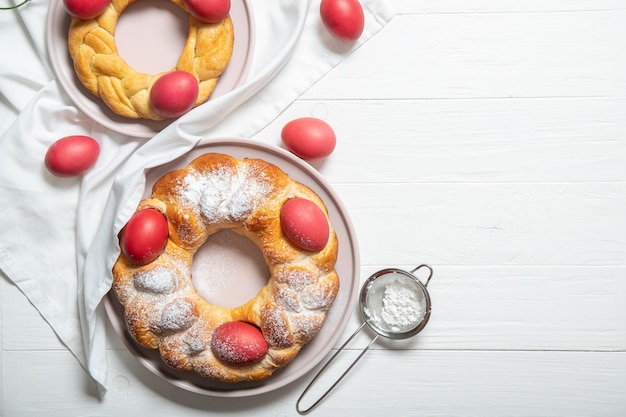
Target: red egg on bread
[
  {"x": 208, "y": 11},
  {"x": 238, "y": 343},
  {"x": 144, "y": 237},
  {"x": 305, "y": 224},
  {"x": 174, "y": 94},
  {"x": 85, "y": 9}
]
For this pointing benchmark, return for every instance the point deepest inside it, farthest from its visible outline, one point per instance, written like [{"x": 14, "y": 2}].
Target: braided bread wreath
[
  {"x": 126, "y": 92},
  {"x": 163, "y": 310}
]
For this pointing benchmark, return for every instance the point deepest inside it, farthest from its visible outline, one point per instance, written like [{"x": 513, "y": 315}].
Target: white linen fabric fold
[{"x": 59, "y": 236}]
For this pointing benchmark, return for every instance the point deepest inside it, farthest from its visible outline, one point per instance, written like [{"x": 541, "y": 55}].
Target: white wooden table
[{"x": 486, "y": 138}]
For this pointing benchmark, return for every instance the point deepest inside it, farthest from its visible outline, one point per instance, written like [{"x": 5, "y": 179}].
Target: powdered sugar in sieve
[{"x": 395, "y": 304}]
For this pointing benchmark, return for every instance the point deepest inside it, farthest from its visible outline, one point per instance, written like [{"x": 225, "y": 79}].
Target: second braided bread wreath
[{"x": 105, "y": 74}]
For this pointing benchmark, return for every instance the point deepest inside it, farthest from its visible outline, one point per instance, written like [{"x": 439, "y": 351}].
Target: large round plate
[
  {"x": 347, "y": 268},
  {"x": 56, "y": 34}
]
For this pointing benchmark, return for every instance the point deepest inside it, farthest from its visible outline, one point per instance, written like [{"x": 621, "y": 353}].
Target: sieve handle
[
  {"x": 430, "y": 273},
  {"x": 319, "y": 373}
]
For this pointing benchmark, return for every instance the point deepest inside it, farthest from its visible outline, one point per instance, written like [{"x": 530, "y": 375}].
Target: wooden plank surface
[
  {"x": 487, "y": 55},
  {"x": 486, "y": 138},
  {"x": 386, "y": 382}
]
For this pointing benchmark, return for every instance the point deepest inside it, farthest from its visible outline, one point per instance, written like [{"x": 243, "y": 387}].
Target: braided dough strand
[{"x": 126, "y": 92}]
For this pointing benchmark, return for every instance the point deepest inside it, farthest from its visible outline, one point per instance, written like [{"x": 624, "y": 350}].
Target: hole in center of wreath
[
  {"x": 229, "y": 269},
  {"x": 151, "y": 35}
]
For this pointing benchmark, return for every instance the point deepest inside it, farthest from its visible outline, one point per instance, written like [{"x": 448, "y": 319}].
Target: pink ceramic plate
[
  {"x": 226, "y": 252},
  {"x": 166, "y": 26}
]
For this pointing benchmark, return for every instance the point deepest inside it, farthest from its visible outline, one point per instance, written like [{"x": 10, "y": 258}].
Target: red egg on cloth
[
  {"x": 208, "y": 11},
  {"x": 309, "y": 138},
  {"x": 305, "y": 224},
  {"x": 174, "y": 94},
  {"x": 344, "y": 19},
  {"x": 238, "y": 343},
  {"x": 85, "y": 9},
  {"x": 144, "y": 237},
  {"x": 72, "y": 155}
]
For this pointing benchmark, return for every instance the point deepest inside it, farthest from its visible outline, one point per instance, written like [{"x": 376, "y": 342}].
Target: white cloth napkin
[{"x": 59, "y": 236}]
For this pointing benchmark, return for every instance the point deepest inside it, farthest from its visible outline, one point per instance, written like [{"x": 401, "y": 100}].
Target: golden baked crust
[
  {"x": 105, "y": 74},
  {"x": 163, "y": 309}
]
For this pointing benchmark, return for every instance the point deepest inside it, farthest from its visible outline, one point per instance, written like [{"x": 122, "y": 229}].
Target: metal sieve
[{"x": 395, "y": 304}]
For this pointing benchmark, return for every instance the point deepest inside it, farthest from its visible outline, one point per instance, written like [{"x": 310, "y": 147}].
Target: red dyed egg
[
  {"x": 305, "y": 224},
  {"x": 238, "y": 343},
  {"x": 344, "y": 19},
  {"x": 309, "y": 138},
  {"x": 144, "y": 237},
  {"x": 72, "y": 156},
  {"x": 208, "y": 11},
  {"x": 85, "y": 9},
  {"x": 174, "y": 94}
]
